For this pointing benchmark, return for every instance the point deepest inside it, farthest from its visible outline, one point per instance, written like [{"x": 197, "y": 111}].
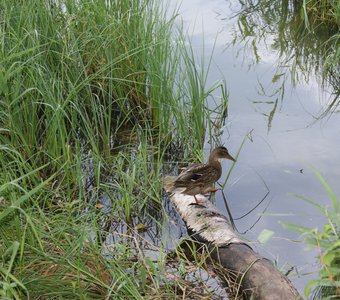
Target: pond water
[{"x": 280, "y": 107}]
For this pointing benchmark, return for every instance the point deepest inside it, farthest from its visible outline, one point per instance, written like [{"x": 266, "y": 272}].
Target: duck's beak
[{"x": 230, "y": 157}]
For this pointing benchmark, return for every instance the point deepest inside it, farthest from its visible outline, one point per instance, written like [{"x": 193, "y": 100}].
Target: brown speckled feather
[
  {"x": 204, "y": 174},
  {"x": 198, "y": 178}
]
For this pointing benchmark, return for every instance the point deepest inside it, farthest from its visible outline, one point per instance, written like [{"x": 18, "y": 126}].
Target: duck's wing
[{"x": 196, "y": 174}]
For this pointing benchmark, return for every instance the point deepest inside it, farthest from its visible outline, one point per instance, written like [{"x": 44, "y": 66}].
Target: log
[{"x": 255, "y": 276}]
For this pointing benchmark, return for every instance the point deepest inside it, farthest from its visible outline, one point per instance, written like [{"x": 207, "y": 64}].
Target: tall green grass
[
  {"x": 90, "y": 70},
  {"x": 94, "y": 95}
]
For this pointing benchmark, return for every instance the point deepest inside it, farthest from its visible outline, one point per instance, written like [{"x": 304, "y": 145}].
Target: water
[{"x": 281, "y": 108}]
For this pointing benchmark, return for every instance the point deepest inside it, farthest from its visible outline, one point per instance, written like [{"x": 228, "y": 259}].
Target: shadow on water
[{"x": 301, "y": 53}]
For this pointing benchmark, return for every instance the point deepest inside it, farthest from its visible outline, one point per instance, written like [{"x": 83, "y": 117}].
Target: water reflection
[
  {"x": 273, "y": 85},
  {"x": 299, "y": 54}
]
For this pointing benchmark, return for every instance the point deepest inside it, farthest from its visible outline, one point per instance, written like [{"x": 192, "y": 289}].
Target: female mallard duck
[{"x": 198, "y": 178}]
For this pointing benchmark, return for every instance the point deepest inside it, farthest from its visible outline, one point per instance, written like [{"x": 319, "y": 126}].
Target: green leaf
[
  {"x": 328, "y": 258},
  {"x": 276, "y": 77},
  {"x": 296, "y": 228},
  {"x": 13, "y": 249},
  {"x": 328, "y": 189},
  {"x": 265, "y": 236},
  {"x": 310, "y": 286},
  {"x": 314, "y": 203}
]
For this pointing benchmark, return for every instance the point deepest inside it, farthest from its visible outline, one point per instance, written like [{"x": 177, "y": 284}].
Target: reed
[{"x": 93, "y": 96}]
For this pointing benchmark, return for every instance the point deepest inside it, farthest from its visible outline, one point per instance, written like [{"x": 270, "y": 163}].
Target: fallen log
[{"x": 255, "y": 276}]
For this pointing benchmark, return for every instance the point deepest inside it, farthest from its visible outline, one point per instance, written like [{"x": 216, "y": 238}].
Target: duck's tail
[{"x": 168, "y": 183}]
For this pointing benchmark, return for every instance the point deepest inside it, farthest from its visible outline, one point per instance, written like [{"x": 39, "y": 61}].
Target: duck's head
[{"x": 220, "y": 152}]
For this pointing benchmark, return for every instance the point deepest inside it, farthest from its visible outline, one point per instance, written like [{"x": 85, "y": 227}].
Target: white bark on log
[{"x": 258, "y": 277}]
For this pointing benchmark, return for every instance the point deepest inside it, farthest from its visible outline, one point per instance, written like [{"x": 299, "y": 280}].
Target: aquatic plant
[
  {"x": 327, "y": 243},
  {"x": 94, "y": 95}
]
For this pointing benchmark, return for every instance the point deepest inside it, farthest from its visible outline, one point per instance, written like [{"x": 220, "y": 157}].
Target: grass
[
  {"x": 327, "y": 243},
  {"x": 322, "y": 11},
  {"x": 94, "y": 97}
]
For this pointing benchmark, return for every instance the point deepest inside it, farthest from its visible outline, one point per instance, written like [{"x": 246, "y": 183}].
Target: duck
[{"x": 198, "y": 178}]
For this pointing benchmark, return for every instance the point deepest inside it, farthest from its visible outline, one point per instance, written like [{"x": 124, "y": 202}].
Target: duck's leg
[{"x": 200, "y": 200}]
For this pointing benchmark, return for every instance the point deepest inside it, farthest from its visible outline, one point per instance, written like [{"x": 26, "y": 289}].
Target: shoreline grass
[
  {"x": 93, "y": 97},
  {"x": 326, "y": 240}
]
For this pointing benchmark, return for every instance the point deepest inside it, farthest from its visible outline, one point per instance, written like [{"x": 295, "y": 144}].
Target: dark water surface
[{"x": 288, "y": 134}]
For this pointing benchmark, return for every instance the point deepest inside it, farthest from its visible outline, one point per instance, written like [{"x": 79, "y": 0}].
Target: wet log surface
[{"x": 235, "y": 260}]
